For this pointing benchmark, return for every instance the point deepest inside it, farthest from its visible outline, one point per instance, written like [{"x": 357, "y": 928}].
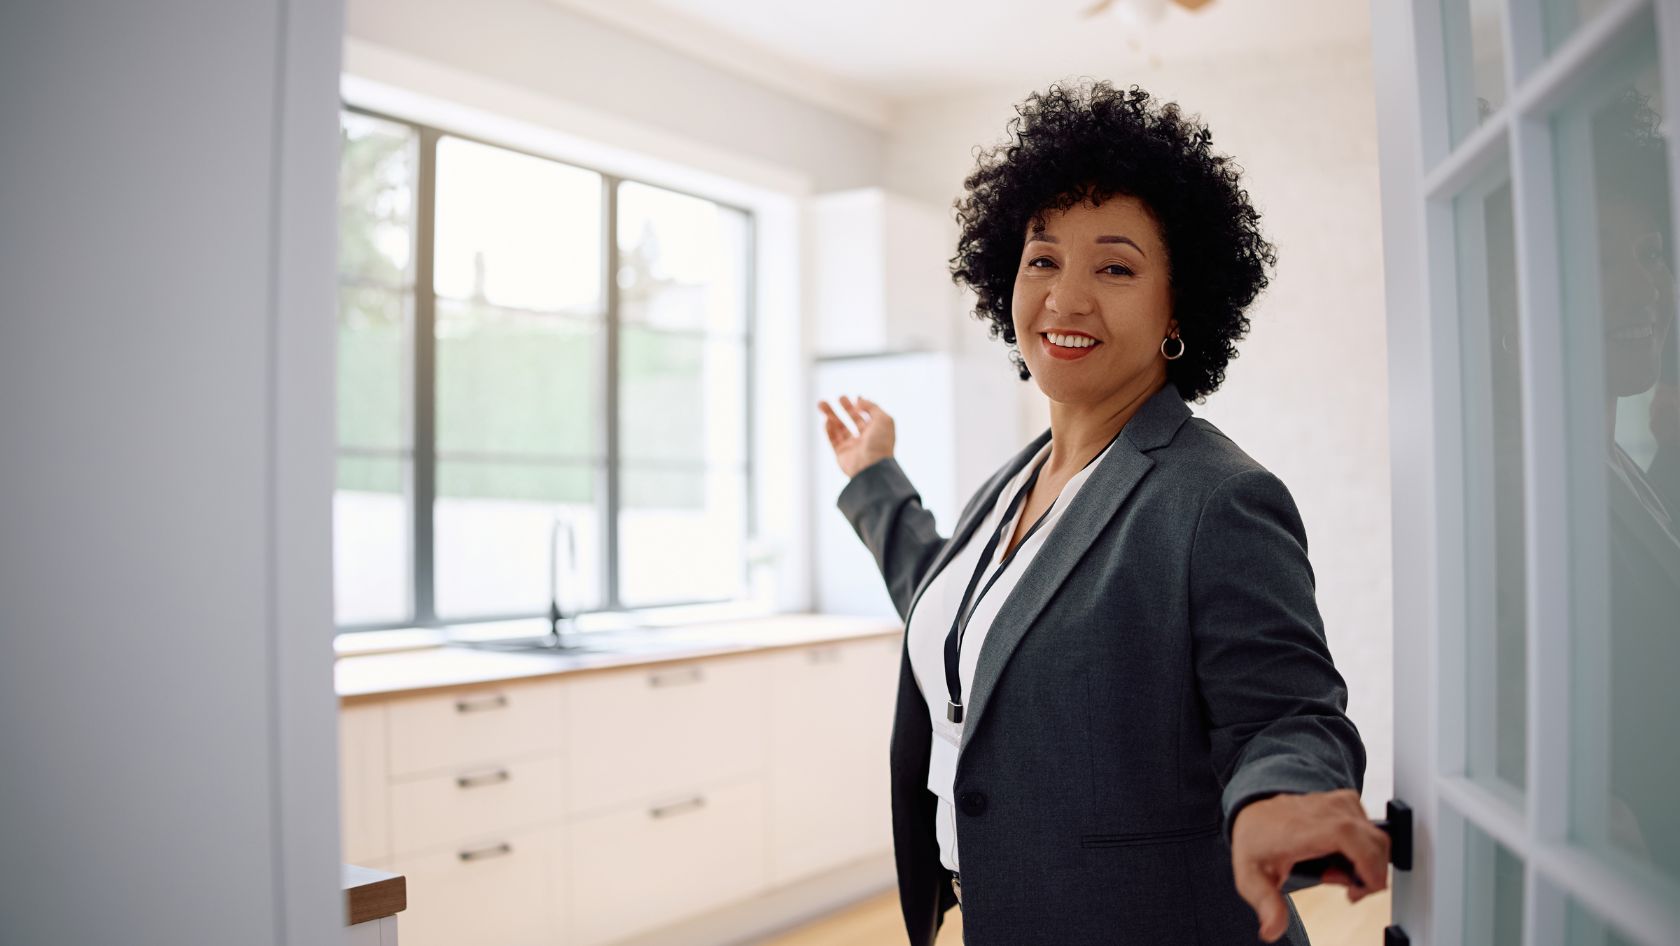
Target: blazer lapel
[
  {"x": 966, "y": 525},
  {"x": 1096, "y": 504}
]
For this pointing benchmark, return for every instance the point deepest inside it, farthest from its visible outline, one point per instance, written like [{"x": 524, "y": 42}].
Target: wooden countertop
[
  {"x": 374, "y": 677},
  {"x": 372, "y": 894}
]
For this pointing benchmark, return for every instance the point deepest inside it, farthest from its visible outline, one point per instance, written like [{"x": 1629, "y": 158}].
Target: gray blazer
[{"x": 1160, "y": 663}]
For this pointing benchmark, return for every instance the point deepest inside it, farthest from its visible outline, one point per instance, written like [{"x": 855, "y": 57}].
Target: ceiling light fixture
[{"x": 1141, "y": 12}]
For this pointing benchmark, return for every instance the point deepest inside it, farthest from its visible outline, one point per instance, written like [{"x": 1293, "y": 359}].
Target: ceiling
[{"x": 866, "y": 56}]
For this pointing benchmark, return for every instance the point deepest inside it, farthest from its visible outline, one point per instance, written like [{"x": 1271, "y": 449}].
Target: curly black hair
[
  {"x": 1630, "y": 155},
  {"x": 1089, "y": 142}
]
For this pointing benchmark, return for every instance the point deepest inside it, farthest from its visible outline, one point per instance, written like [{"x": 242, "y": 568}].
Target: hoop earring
[{"x": 1180, "y": 342}]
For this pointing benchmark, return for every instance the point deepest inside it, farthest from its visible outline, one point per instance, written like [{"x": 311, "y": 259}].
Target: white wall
[
  {"x": 1308, "y": 396},
  {"x": 168, "y": 763},
  {"x": 547, "y": 49}
]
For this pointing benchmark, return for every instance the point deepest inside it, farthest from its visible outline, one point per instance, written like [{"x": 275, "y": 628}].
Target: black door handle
[{"x": 1398, "y": 826}]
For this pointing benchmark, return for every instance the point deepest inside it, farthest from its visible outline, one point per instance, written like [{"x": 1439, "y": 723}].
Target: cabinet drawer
[
  {"x": 640, "y": 868},
  {"x": 498, "y": 891},
  {"x": 481, "y": 726},
  {"x": 474, "y": 802},
  {"x": 642, "y": 734}
]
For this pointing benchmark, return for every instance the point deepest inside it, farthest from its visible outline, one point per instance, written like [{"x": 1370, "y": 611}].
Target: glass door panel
[
  {"x": 1490, "y": 343},
  {"x": 1474, "y": 35},
  {"x": 1564, "y": 17},
  {"x": 1493, "y": 904},
  {"x": 1617, "y": 279},
  {"x": 1586, "y": 928}
]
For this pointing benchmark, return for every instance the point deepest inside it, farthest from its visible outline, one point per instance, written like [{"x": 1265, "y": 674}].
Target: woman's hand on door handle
[{"x": 1272, "y": 835}]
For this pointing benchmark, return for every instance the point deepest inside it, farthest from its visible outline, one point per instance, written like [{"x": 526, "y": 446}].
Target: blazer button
[{"x": 973, "y": 804}]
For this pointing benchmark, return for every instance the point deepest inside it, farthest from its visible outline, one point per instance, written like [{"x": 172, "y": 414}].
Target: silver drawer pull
[
  {"x": 675, "y": 677},
  {"x": 499, "y": 701},
  {"x": 824, "y": 655},
  {"x": 488, "y": 778},
  {"x": 677, "y": 808},
  {"x": 485, "y": 853}
]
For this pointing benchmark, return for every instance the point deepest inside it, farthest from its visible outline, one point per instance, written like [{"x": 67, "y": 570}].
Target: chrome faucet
[{"x": 554, "y": 616}]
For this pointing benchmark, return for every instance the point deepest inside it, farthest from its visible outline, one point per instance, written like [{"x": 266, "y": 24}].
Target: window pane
[
  {"x": 681, "y": 536},
  {"x": 373, "y": 394},
  {"x": 517, "y": 383},
  {"x": 516, "y": 231},
  {"x": 682, "y": 398},
  {"x": 493, "y": 528},
  {"x": 1564, "y": 17},
  {"x": 1474, "y": 34},
  {"x": 376, "y": 199},
  {"x": 371, "y": 541},
  {"x": 1491, "y": 349},
  {"x": 1620, "y": 346},
  {"x": 1493, "y": 891},
  {"x": 682, "y": 261}
]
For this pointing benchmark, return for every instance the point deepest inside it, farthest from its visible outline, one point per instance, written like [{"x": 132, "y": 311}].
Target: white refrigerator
[{"x": 957, "y": 419}]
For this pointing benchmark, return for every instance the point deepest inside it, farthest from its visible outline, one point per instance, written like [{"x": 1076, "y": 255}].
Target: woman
[{"x": 1117, "y": 716}]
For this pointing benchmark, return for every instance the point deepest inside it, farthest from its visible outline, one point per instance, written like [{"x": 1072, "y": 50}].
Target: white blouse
[{"x": 930, "y": 623}]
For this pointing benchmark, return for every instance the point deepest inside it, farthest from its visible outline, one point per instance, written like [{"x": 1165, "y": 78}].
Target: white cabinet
[
  {"x": 641, "y": 734},
  {"x": 473, "y": 807},
  {"x": 880, "y": 280},
  {"x": 363, "y": 801},
  {"x": 469, "y": 802},
  {"x": 831, "y": 720},
  {"x": 380, "y": 932},
  {"x": 498, "y": 890},
  {"x": 645, "y": 866},
  {"x": 667, "y": 784},
  {"x": 481, "y": 726},
  {"x": 587, "y": 808}
]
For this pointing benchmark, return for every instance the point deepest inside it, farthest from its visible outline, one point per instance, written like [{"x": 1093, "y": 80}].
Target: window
[{"x": 503, "y": 401}]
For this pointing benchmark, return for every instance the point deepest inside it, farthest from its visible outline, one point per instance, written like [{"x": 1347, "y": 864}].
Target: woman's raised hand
[{"x": 873, "y": 440}]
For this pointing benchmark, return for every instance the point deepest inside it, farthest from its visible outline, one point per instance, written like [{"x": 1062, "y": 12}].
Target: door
[{"x": 1528, "y": 169}]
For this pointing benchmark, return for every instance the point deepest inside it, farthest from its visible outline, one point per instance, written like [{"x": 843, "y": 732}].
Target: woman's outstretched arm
[
  {"x": 886, "y": 512},
  {"x": 879, "y": 502},
  {"x": 1290, "y": 760},
  {"x": 1275, "y": 703}
]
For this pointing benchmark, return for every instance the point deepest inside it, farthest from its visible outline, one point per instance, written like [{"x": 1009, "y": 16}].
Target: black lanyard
[{"x": 959, "y": 624}]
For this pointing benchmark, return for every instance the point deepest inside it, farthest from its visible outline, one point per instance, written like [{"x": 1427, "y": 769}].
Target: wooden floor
[{"x": 1330, "y": 920}]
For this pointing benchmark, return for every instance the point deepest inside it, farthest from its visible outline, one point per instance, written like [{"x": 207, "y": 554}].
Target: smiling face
[{"x": 1101, "y": 275}]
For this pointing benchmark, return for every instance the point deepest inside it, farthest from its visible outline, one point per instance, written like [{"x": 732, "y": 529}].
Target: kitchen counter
[
  {"x": 371, "y": 894},
  {"x": 375, "y": 677}
]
